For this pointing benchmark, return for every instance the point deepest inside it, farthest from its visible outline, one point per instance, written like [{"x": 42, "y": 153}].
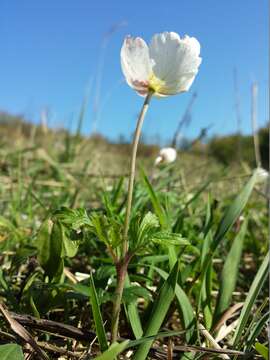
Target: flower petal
[
  {"x": 136, "y": 64},
  {"x": 176, "y": 61}
]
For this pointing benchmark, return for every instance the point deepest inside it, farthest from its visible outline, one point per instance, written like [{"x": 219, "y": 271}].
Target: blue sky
[{"x": 50, "y": 52}]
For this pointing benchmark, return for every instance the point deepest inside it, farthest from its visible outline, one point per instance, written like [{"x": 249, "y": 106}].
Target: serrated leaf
[
  {"x": 76, "y": 218},
  {"x": 142, "y": 229}
]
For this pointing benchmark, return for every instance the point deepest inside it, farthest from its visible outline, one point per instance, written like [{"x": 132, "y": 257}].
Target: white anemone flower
[
  {"x": 166, "y": 156},
  {"x": 262, "y": 175},
  {"x": 167, "y": 67}
]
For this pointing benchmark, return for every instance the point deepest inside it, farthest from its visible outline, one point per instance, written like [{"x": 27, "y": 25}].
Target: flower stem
[
  {"x": 133, "y": 167},
  {"x": 122, "y": 264},
  {"x": 121, "y": 269}
]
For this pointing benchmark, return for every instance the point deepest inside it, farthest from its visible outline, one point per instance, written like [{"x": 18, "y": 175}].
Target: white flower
[
  {"x": 262, "y": 175},
  {"x": 81, "y": 276},
  {"x": 167, "y": 67},
  {"x": 166, "y": 156}
]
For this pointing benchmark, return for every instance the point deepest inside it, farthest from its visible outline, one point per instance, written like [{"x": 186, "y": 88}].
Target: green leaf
[
  {"x": 185, "y": 308},
  {"x": 142, "y": 230},
  {"x": 7, "y": 225},
  {"x": 208, "y": 236},
  {"x": 256, "y": 330},
  {"x": 99, "y": 225},
  {"x": 194, "y": 197},
  {"x": 229, "y": 273},
  {"x": 251, "y": 297},
  {"x": 148, "y": 224},
  {"x": 132, "y": 293},
  {"x": 159, "y": 311},
  {"x": 229, "y": 218},
  {"x": 11, "y": 352},
  {"x": 133, "y": 314},
  {"x": 168, "y": 238},
  {"x": 234, "y": 211},
  {"x": 117, "y": 190},
  {"x": 160, "y": 212},
  {"x": 70, "y": 247},
  {"x": 114, "y": 350},
  {"x": 262, "y": 350},
  {"x": 80, "y": 289},
  {"x": 206, "y": 297},
  {"x": 101, "y": 334},
  {"x": 49, "y": 243},
  {"x": 76, "y": 218},
  {"x": 160, "y": 335}
]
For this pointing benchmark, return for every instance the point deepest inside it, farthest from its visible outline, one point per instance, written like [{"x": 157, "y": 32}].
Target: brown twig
[
  {"x": 227, "y": 315},
  {"x": 161, "y": 354},
  {"x": 43, "y": 345},
  {"x": 54, "y": 327},
  {"x": 22, "y": 332}
]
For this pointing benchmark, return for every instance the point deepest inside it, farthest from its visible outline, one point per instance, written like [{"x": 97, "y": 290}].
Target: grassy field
[{"x": 197, "y": 268}]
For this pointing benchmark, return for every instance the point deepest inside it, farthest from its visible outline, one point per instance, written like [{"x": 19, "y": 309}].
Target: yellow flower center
[{"x": 155, "y": 83}]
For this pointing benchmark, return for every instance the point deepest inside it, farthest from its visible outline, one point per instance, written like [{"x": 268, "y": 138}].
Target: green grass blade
[
  {"x": 161, "y": 214},
  {"x": 161, "y": 335},
  {"x": 133, "y": 315},
  {"x": 234, "y": 211},
  {"x": 208, "y": 236},
  {"x": 97, "y": 316},
  {"x": 229, "y": 218},
  {"x": 117, "y": 190},
  {"x": 114, "y": 350},
  {"x": 256, "y": 330},
  {"x": 193, "y": 199},
  {"x": 159, "y": 211},
  {"x": 251, "y": 297},
  {"x": 205, "y": 298},
  {"x": 230, "y": 273},
  {"x": 160, "y": 309},
  {"x": 82, "y": 114},
  {"x": 186, "y": 310}
]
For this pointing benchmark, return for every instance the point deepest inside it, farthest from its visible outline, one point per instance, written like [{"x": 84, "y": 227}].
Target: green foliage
[
  {"x": 225, "y": 148},
  {"x": 114, "y": 350},
  {"x": 99, "y": 324},
  {"x": 262, "y": 350},
  {"x": 254, "y": 291},
  {"x": 11, "y": 351},
  {"x": 230, "y": 272},
  {"x": 159, "y": 311},
  {"x": 132, "y": 314},
  {"x": 264, "y": 146},
  {"x": 62, "y": 219},
  {"x": 50, "y": 242},
  {"x": 146, "y": 231}
]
